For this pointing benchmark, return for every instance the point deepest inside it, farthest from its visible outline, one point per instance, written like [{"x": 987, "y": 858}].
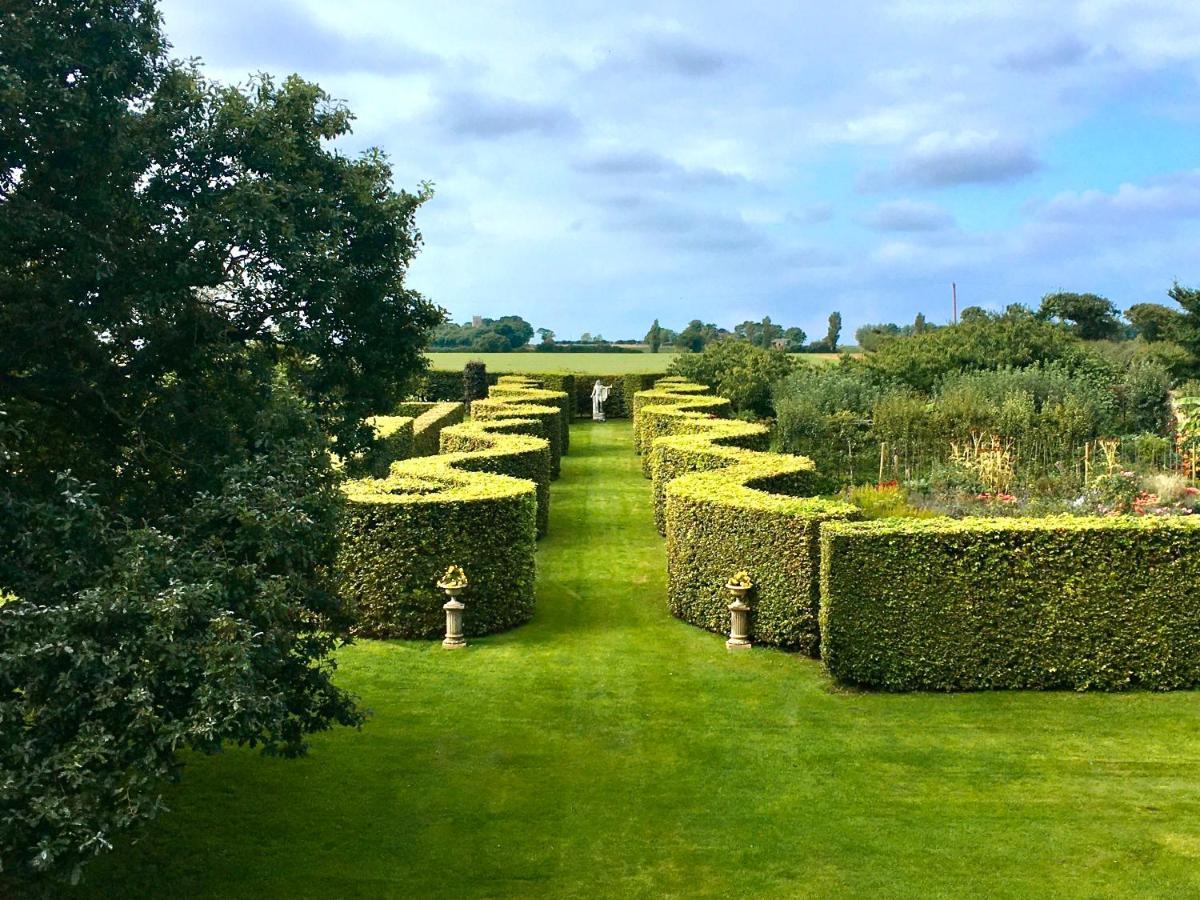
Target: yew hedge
[
  {"x": 931, "y": 604},
  {"x": 1059, "y": 602}
]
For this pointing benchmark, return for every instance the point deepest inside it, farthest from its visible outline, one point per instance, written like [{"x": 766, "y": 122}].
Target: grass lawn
[
  {"x": 607, "y": 750},
  {"x": 580, "y": 363}
]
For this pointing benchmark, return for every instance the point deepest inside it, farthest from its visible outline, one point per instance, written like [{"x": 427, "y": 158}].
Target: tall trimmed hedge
[
  {"x": 526, "y": 389},
  {"x": 715, "y": 444},
  {"x": 495, "y": 447},
  {"x": 428, "y": 421},
  {"x": 400, "y": 533},
  {"x": 930, "y": 604},
  {"x": 481, "y": 505},
  {"x": 972, "y": 604},
  {"x": 394, "y": 441},
  {"x": 752, "y": 516},
  {"x": 514, "y": 407}
]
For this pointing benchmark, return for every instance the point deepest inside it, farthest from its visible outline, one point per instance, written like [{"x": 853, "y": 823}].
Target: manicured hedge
[
  {"x": 480, "y": 504},
  {"x": 399, "y": 534},
  {"x": 514, "y": 407},
  {"x": 685, "y": 417},
  {"x": 752, "y": 516},
  {"x": 505, "y": 447},
  {"x": 394, "y": 441},
  {"x": 527, "y": 389},
  {"x": 940, "y": 604},
  {"x": 428, "y": 421},
  {"x": 715, "y": 444}
]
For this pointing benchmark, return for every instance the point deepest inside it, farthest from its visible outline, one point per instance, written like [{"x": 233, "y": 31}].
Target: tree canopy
[{"x": 197, "y": 294}]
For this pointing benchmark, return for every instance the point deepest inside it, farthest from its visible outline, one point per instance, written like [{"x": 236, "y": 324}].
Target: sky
[{"x": 598, "y": 165}]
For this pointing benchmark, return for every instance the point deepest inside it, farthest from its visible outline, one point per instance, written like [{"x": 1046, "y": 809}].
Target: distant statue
[{"x": 599, "y": 395}]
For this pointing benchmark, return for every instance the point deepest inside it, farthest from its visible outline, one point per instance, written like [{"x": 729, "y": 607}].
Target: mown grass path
[{"x": 609, "y": 750}]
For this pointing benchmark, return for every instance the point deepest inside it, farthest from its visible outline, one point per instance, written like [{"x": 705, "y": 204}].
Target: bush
[
  {"x": 393, "y": 442},
  {"x": 474, "y": 381},
  {"x": 525, "y": 389},
  {"x": 1014, "y": 603},
  {"x": 700, "y": 445},
  {"x": 513, "y": 407},
  {"x": 753, "y": 516},
  {"x": 739, "y": 371}
]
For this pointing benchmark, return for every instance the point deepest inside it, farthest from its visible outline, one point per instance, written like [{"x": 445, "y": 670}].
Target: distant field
[{"x": 581, "y": 363}]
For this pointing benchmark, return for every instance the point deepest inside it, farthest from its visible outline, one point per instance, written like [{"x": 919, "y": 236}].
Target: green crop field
[{"x": 579, "y": 363}]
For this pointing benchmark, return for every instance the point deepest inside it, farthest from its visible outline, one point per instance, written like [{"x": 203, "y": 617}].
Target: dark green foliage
[
  {"x": 1092, "y": 317},
  {"x": 195, "y": 286},
  {"x": 211, "y": 625},
  {"x": 696, "y": 336},
  {"x": 871, "y": 337},
  {"x": 489, "y": 336},
  {"x": 1015, "y": 339},
  {"x": 1023, "y": 603},
  {"x": 474, "y": 381},
  {"x": 1155, "y": 322},
  {"x": 654, "y": 336},
  {"x": 739, "y": 371},
  {"x": 393, "y": 441}
]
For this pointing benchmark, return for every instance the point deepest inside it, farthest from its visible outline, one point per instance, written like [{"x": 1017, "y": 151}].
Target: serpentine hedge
[
  {"x": 428, "y": 421},
  {"x": 480, "y": 504},
  {"x": 931, "y": 604},
  {"x": 1059, "y": 602}
]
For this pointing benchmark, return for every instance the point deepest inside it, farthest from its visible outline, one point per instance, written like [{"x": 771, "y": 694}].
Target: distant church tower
[{"x": 476, "y": 321}]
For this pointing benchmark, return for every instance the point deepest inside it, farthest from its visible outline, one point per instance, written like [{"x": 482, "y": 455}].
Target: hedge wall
[
  {"x": 525, "y": 389},
  {"x": 394, "y": 436},
  {"x": 511, "y": 408},
  {"x": 505, "y": 447},
  {"x": 715, "y": 444},
  {"x": 685, "y": 417},
  {"x": 428, "y": 421},
  {"x": 400, "y": 533},
  {"x": 751, "y": 516},
  {"x": 970, "y": 604}
]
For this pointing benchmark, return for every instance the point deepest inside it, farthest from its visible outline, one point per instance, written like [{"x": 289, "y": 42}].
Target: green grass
[
  {"x": 579, "y": 363},
  {"x": 607, "y": 750}
]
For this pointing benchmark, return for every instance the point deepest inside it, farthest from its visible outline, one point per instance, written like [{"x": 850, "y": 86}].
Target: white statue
[{"x": 599, "y": 395}]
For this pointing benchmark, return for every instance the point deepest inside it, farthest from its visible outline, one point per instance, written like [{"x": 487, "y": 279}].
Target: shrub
[
  {"x": 1012, "y": 603},
  {"x": 513, "y": 407},
  {"x": 739, "y": 371},
  {"x": 710, "y": 444},
  {"x": 474, "y": 381},
  {"x": 524, "y": 389},
  {"x": 393, "y": 442}
]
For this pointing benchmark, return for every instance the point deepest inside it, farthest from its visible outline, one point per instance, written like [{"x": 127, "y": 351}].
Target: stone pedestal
[
  {"x": 739, "y": 619},
  {"x": 454, "y": 619}
]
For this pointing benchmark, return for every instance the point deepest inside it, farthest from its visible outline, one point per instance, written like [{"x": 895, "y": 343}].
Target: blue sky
[{"x": 598, "y": 164}]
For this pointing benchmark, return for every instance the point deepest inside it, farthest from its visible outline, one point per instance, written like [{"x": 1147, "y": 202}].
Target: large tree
[
  {"x": 194, "y": 292},
  {"x": 1090, "y": 316}
]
